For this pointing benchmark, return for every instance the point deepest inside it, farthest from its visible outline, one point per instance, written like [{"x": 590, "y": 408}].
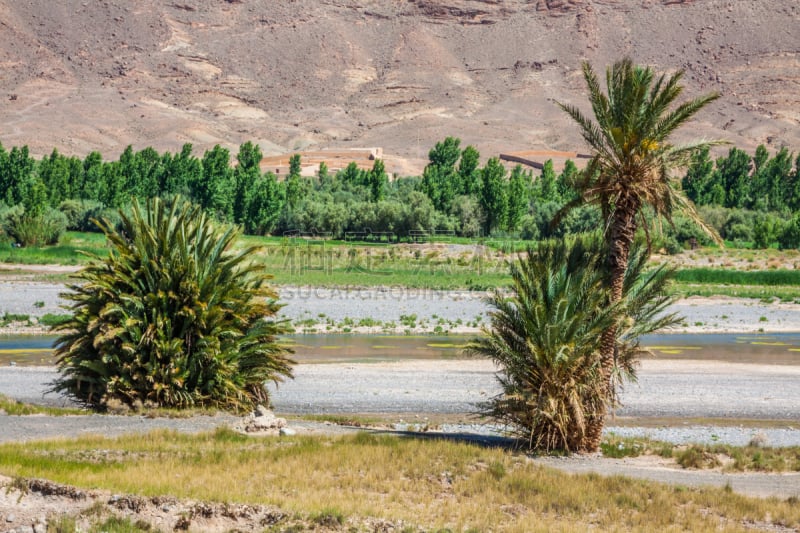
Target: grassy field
[
  {"x": 723, "y": 276},
  {"x": 68, "y": 252},
  {"x": 451, "y": 264},
  {"x": 433, "y": 484}
]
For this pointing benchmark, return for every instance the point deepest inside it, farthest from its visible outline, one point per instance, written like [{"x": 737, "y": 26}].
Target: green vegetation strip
[
  {"x": 14, "y": 407},
  {"x": 753, "y": 457},
  {"x": 768, "y": 278},
  {"x": 767, "y": 294},
  {"x": 427, "y": 483},
  {"x": 423, "y": 273},
  {"x": 71, "y": 251}
]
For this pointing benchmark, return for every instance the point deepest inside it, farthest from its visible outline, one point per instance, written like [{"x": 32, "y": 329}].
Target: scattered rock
[
  {"x": 287, "y": 432},
  {"x": 128, "y": 503},
  {"x": 262, "y": 420},
  {"x": 759, "y": 440},
  {"x": 48, "y": 488},
  {"x": 10, "y": 518},
  {"x": 183, "y": 523}
]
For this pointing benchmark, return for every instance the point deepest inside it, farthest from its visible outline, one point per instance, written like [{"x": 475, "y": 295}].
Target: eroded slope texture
[{"x": 86, "y": 75}]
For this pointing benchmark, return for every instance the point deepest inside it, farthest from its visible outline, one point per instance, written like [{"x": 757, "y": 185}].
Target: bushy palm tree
[
  {"x": 173, "y": 316},
  {"x": 544, "y": 336},
  {"x": 630, "y": 171}
]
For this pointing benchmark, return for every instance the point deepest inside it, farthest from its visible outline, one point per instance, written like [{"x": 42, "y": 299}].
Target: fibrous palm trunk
[{"x": 620, "y": 238}]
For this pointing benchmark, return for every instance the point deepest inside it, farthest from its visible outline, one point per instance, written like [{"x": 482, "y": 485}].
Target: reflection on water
[
  {"x": 26, "y": 350},
  {"x": 375, "y": 348},
  {"x": 783, "y": 348},
  {"x": 776, "y": 348}
]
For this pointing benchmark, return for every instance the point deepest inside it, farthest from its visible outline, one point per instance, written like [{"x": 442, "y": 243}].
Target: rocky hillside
[{"x": 86, "y": 75}]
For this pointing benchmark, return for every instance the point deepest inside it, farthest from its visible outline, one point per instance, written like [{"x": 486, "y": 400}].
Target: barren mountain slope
[{"x": 85, "y": 75}]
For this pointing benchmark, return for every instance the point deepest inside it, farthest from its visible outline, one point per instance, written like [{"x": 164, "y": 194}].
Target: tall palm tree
[
  {"x": 543, "y": 334},
  {"x": 630, "y": 170}
]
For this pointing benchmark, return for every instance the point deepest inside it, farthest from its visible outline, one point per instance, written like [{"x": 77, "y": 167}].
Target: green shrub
[
  {"x": 52, "y": 320},
  {"x": 789, "y": 237},
  {"x": 739, "y": 233},
  {"x": 529, "y": 228},
  {"x": 685, "y": 229},
  {"x": 739, "y": 225},
  {"x": 172, "y": 316},
  {"x": 6, "y": 213},
  {"x": 669, "y": 244},
  {"x": 77, "y": 213},
  {"x": 8, "y": 318},
  {"x": 766, "y": 229},
  {"x": 36, "y": 230}
]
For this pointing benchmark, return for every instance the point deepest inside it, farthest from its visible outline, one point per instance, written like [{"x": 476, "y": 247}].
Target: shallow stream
[{"x": 776, "y": 349}]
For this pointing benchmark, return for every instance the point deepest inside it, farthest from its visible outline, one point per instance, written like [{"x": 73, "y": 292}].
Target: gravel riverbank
[
  {"x": 416, "y": 389},
  {"x": 462, "y": 311}
]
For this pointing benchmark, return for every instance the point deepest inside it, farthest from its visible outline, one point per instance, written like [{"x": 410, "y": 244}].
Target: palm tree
[
  {"x": 630, "y": 170},
  {"x": 544, "y": 337},
  {"x": 173, "y": 316}
]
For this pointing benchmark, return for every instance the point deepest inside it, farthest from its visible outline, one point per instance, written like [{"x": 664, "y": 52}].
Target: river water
[{"x": 774, "y": 349}]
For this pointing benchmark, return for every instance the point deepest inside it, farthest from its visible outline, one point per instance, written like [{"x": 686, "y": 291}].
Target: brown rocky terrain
[{"x": 84, "y": 75}]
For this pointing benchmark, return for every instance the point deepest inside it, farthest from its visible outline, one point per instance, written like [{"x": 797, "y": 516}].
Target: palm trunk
[{"x": 620, "y": 239}]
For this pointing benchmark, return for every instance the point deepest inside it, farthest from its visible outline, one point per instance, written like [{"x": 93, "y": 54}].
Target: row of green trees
[
  {"x": 454, "y": 193},
  {"x": 237, "y": 193},
  {"x": 505, "y": 200},
  {"x": 738, "y": 180}
]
